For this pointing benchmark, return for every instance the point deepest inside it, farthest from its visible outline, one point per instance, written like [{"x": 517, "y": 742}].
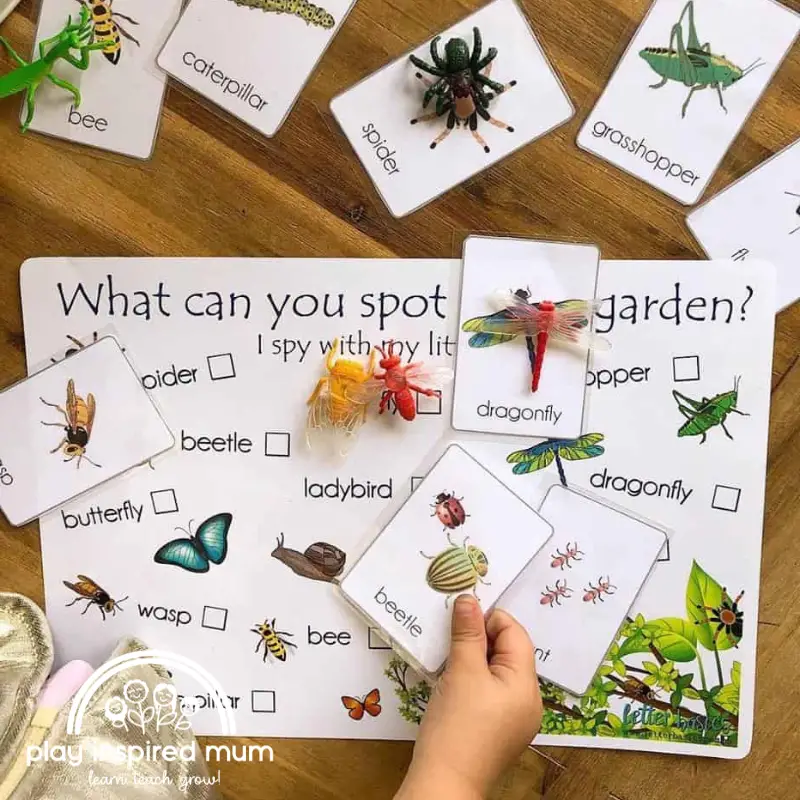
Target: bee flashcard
[
  {"x": 525, "y": 337},
  {"x": 252, "y": 57},
  {"x": 684, "y": 88},
  {"x": 758, "y": 217},
  {"x": 73, "y": 426},
  {"x": 117, "y": 102},
  {"x": 461, "y": 531},
  {"x": 452, "y": 107},
  {"x": 575, "y": 594}
]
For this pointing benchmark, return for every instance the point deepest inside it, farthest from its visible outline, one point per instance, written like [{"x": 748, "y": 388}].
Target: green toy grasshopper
[
  {"x": 694, "y": 65},
  {"x": 702, "y": 415},
  {"x": 28, "y": 77}
]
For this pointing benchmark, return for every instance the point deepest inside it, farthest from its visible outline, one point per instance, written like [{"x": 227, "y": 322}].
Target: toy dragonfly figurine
[
  {"x": 564, "y": 323},
  {"x": 29, "y": 76}
]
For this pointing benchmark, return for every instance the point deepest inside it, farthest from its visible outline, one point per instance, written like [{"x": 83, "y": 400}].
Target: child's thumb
[{"x": 468, "y": 635}]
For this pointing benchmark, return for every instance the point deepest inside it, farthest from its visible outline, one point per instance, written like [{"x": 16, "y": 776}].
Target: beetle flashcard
[
  {"x": 408, "y": 579},
  {"x": 452, "y": 107},
  {"x": 690, "y": 78}
]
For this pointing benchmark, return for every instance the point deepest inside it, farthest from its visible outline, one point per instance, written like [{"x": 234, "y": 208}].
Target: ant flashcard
[
  {"x": 452, "y": 107},
  {"x": 584, "y": 582}
]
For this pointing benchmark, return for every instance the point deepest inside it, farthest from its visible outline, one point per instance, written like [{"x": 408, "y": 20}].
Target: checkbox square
[
  {"x": 429, "y": 406},
  {"x": 214, "y": 618},
  {"x": 685, "y": 368},
  {"x": 221, "y": 367},
  {"x": 726, "y": 498},
  {"x": 262, "y": 701},
  {"x": 277, "y": 444},
  {"x": 665, "y": 554},
  {"x": 374, "y": 641},
  {"x": 164, "y": 501},
  {"x": 416, "y": 480}
]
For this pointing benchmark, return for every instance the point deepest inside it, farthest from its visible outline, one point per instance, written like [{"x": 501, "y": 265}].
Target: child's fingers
[
  {"x": 468, "y": 638},
  {"x": 510, "y": 646}
]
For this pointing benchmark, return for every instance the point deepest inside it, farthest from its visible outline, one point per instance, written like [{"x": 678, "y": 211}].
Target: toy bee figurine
[{"x": 79, "y": 417}]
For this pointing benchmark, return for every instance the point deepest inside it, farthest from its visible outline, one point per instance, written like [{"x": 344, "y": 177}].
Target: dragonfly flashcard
[
  {"x": 252, "y": 57},
  {"x": 122, "y": 91},
  {"x": 575, "y": 594},
  {"x": 526, "y": 336},
  {"x": 687, "y": 83},
  {"x": 461, "y": 531},
  {"x": 758, "y": 217},
  {"x": 72, "y": 427},
  {"x": 461, "y": 102}
]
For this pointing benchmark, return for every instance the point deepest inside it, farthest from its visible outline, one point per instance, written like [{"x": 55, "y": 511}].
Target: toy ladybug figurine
[{"x": 449, "y": 510}]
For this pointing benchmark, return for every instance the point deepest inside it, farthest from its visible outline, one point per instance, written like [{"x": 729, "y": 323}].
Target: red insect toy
[
  {"x": 449, "y": 510},
  {"x": 562, "y": 560},
  {"x": 552, "y": 596},
  {"x": 595, "y": 593}
]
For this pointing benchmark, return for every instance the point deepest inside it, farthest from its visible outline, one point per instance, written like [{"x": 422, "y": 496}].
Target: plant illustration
[
  {"x": 132, "y": 709},
  {"x": 413, "y": 697},
  {"x": 542, "y": 455}
]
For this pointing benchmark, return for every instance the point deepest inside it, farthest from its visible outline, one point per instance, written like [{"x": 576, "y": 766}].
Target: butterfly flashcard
[
  {"x": 197, "y": 552},
  {"x": 356, "y": 708}
]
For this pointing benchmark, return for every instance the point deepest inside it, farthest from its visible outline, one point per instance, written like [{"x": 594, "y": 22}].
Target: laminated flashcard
[
  {"x": 252, "y": 57},
  {"x": 6, "y": 7},
  {"x": 122, "y": 91},
  {"x": 459, "y": 103},
  {"x": 758, "y": 217},
  {"x": 575, "y": 594},
  {"x": 73, "y": 426},
  {"x": 460, "y": 531},
  {"x": 525, "y": 338},
  {"x": 684, "y": 88}
]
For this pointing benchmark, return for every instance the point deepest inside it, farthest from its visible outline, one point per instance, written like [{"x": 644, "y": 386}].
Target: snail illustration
[{"x": 320, "y": 562}]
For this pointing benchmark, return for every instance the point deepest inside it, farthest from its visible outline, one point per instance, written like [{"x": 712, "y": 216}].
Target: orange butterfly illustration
[{"x": 356, "y": 708}]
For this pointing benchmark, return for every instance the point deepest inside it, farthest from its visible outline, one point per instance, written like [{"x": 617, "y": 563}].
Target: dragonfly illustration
[
  {"x": 542, "y": 455},
  {"x": 564, "y": 323}
]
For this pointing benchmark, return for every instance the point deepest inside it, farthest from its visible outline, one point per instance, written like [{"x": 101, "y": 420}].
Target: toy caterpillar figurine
[{"x": 313, "y": 15}]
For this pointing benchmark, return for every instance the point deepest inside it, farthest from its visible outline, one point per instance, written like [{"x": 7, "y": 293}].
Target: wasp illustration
[
  {"x": 79, "y": 417},
  {"x": 702, "y": 415},
  {"x": 457, "y": 569},
  {"x": 562, "y": 560},
  {"x": 726, "y": 617},
  {"x": 107, "y": 28},
  {"x": 274, "y": 641},
  {"x": 449, "y": 510},
  {"x": 94, "y": 595},
  {"x": 695, "y": 66},
  {"x": 595, "y": 593},
  {"x": 553, "y": 596},
  {"x": 794, "y": 194}
]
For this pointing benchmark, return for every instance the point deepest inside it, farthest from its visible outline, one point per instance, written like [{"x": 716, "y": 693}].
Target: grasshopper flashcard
[
  {"x": 252, "y": 57},
  {"x": 122, "y": 92},
  {"x": 461, "y": 531},
  {"x": 452, "y": 107},
  {"x": 72, "y": 427},
  {"x": 758, "y": 217},
  {"x": 688, "y": 81}
]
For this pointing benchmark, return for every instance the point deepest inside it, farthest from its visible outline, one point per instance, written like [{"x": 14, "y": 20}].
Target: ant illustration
[
  {"x": 726, "y": 617},
  {"x": 562, "y": 559},
  {"x": 553, "y": 595},
  {"x": 595, "y": 593}
]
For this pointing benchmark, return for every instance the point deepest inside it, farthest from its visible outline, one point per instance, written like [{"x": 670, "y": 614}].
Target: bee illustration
[
  {"x": 274, "y": 641},
  {"x": 94, "y": 595},
  {"x": 79, "y": 417},
  {"x": 107, "y": 28}
]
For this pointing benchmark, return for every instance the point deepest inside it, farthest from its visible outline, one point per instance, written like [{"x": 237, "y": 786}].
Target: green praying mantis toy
[{"x": 28, "y": 77}]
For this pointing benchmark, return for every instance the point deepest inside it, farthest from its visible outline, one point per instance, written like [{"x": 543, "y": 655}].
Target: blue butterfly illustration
[{"x": 209, "y": 544}]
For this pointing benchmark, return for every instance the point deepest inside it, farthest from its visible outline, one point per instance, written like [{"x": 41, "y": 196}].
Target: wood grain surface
[{"x": 212, "y": 189}]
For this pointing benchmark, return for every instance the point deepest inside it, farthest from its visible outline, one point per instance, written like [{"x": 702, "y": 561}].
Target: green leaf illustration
[
  {"x": 675, "y": 639},
  {"x": 728, "y": 696},
  {"x": 638, "y": 643},
  {"x": 703, "y": 593}
]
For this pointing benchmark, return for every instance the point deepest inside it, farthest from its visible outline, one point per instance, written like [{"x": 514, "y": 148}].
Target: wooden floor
[{"x": 213, "y": 190}]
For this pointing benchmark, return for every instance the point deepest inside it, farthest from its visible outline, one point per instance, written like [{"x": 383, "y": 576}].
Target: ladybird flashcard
[
  {"x": 525, "y": 337},
  {"x": 252, "y": 58},
  {"x": 758, "y": 217},
  {"x": 690, "y": 78},
  {"x": 452, "y": 107},
  {"x": 72, "y": 426},
  {"x": 461, "y": 531},
  {"x": 575, "y": 594},
  {"x": 117, "y": 101}
]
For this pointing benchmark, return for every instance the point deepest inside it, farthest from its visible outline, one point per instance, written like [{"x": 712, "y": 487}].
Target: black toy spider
[
  {"x": 727, "y": 617},
  {"x": 463, "y": 89}
]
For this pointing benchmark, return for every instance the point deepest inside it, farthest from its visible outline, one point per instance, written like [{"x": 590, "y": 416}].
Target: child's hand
[{"x": 484, "y": 712}]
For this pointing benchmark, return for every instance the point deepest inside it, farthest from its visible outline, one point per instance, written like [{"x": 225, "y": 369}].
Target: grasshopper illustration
[
  {"x": 693, "y": 64},
  {"x": 702, "y": 415}
]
